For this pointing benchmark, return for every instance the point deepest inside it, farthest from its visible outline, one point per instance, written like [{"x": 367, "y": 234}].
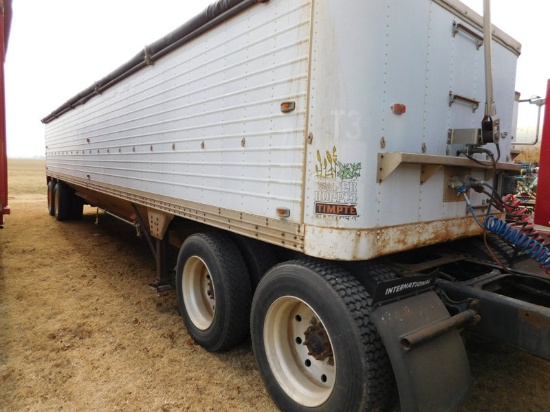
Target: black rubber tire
[
  {"x": 477, "y": 249},
  {"x": 226, "y": 271},
  {"x": 362, "y": 377},
  {"x": 51, "y": 197},
  {"x": 502, "y": 248},
  {"x": 62, "y": 202},
  {"x": 370, "y": 273},
  {"x": 258, "y": 256}
]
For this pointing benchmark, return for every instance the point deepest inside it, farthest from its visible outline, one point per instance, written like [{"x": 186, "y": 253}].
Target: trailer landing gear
[{"x": 166, "y": 276}]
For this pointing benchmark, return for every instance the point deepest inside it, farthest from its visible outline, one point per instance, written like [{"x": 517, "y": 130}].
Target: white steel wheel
[
  {"x": 299, "y": 351},
  {"x": 198, "y": 293},
  {"x": 314, "y": 344},
  {"x": 213, "y": 288}
]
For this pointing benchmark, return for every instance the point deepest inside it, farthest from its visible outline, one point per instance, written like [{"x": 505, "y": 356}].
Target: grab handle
[
  {"x": 459, "y": 27},
  {"x": 462, "y": 99}
]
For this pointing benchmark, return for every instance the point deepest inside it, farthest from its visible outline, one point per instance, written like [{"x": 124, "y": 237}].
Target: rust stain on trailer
[
  {"x": 361, "y": 244},
  {"x": 354, "y": 244},
  {"x": 406, "y": 237},
  {"x": 535, "y": 319}
]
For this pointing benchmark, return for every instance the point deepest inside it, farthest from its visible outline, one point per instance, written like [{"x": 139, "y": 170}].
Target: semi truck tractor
[{"x": 337, "y": 178}]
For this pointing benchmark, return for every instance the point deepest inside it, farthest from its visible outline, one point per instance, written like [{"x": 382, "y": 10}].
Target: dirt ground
[{"x": 81, "y": 330}]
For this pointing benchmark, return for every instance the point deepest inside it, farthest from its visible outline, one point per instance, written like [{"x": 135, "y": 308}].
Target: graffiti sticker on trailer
[{"x": 336, "y": 193}]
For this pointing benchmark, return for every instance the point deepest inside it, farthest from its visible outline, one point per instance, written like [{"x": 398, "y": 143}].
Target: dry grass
[
  {"x": 529, "y": 154},
  {"x": 80, "y": 330}
]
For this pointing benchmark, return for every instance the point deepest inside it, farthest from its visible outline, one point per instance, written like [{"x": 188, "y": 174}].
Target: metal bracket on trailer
[
  {"x": 522, "y": 322},
  {"x": 426, "y": 352},
  {"x": 159, "y": 250}
]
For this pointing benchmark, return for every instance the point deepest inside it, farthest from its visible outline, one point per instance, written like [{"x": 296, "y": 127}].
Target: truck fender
[{"x": 433, "y": 374}]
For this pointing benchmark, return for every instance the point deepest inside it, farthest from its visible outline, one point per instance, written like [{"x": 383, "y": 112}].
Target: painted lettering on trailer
[{"x": 335, "y": 209}]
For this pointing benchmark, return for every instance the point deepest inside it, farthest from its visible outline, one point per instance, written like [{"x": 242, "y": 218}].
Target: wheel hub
[
  {"x": 318, "y": 343},
  {"x": 210, "y": 288}
]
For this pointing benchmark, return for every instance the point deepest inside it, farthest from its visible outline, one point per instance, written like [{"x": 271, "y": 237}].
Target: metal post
[
  {"x": 490, "y": 109},
  {"x": 490, "y": 125}
]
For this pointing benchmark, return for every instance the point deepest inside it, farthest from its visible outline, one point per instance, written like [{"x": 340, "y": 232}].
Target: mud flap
[{"x": 433, "y": 375}]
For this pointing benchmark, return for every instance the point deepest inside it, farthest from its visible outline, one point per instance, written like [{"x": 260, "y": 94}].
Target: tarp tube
[{"x": 213, "y": 15}]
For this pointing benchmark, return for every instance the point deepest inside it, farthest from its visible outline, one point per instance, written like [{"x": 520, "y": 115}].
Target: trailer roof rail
[{"x": 210, "y": 17}]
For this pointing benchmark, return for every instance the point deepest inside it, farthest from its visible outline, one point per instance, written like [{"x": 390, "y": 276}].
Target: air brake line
[{"x": 516, "y": 237}]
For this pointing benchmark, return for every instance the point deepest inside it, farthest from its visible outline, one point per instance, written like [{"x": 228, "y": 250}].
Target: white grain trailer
[{"x": 351, "y": 134}]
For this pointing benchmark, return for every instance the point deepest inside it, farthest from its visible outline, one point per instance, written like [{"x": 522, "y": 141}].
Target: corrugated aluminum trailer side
[
  {"x": 288, "y": 147},
  {"x": 200, "y": 133}
]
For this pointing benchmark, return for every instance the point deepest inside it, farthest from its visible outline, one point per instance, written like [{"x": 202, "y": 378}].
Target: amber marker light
[
  {"x": 287, "y": 107},
  {"x": 283, "y": 212}
]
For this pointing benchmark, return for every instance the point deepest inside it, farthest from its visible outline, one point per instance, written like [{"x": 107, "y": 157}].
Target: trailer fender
[{"x": 432, "y": 373}]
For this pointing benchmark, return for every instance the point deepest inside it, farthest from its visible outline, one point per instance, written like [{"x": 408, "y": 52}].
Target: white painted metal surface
[
  {"x": 370, "y": 55},
  {"x": 200, "y": 134},
  {"x": 203, "y": 124}
]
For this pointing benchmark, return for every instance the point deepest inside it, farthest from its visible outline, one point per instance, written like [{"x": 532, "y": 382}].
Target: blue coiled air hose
[
  {"x": 523, "y": 242},
  {"x": 510, "y": 234}
]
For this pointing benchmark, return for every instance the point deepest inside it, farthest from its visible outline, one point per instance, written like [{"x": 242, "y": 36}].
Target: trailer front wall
[
  {"x": 370, "y": 55},
  {"x": 203, "y": 124}
]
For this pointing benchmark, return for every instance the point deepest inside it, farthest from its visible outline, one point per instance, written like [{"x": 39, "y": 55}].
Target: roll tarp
[{"x": 213, "y": 15}]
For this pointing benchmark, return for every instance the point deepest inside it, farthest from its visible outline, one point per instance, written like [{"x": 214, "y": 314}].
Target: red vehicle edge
[
  {"x": 5, "y": 23},
  {"x": 542, "y": 206}
]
